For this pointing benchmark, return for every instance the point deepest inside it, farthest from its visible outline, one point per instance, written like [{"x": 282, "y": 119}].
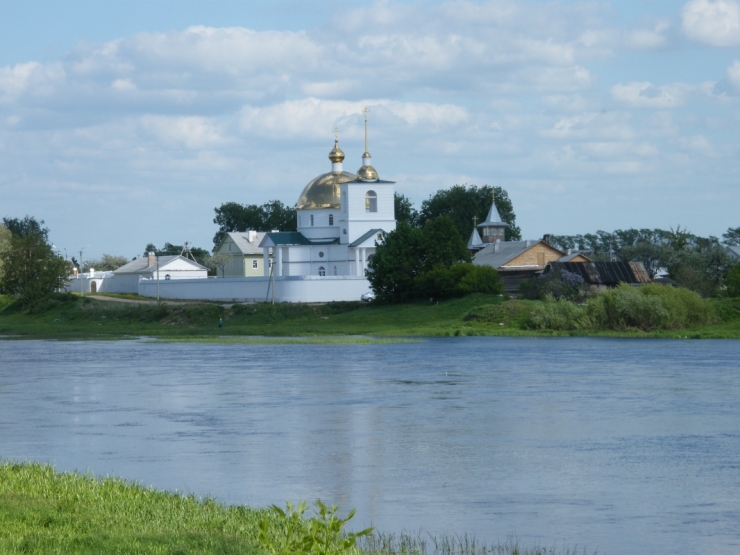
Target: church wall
[
  {"x": 355, "y": 219},
  {"x": 306, "y": 289},
  {"x": 321, "y": 228}
]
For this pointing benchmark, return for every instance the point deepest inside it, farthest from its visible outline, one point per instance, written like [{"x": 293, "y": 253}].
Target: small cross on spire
[
  {"x": 336, "y": 134},
  {"x": 475, "y": 220}
]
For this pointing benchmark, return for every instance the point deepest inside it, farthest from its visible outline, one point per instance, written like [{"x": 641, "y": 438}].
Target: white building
[
  {"x": 89, "y": 282},
  {"x": 341, "y": 216},
  {"x": 165, "y": 268}
]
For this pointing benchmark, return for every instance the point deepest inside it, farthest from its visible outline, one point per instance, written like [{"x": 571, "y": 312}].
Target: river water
[{"x": 625, "y": 446}]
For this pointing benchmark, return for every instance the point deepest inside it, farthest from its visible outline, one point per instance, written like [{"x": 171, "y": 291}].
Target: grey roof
[
  {"x": 142, "y": 266},
  {"x": 734, "y": 251},
  {"x": 604, "y": 273},
  {"x": 571, "y": 256},
  {"x": 291, "y": 238},
  {"x": 498, "y": 254},
  {"x": 493, "y": 218},
  {"x": 357, "y": 242},
  {"x": 241, "y": 240},
  {"x": 475, "y": 242}
]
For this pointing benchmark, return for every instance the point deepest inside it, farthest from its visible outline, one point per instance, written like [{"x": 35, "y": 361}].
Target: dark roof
[
  {"x": 360, "y": 240},
  {"x": 604, "y": 273},
  {"x": 290, "y": 238}
]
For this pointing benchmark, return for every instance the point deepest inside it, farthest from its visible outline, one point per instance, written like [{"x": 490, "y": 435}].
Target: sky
[{"x": 127, "y": 123}]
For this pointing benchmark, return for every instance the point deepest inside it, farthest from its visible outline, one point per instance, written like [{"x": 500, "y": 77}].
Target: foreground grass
[
  {"x": 71, "y": 317},
  {"x": 46, "y": 512}
]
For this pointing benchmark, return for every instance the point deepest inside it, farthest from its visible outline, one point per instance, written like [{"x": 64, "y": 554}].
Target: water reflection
[{"x": 625, "y": 445}]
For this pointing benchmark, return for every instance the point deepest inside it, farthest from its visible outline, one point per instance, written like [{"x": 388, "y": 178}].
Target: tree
[
  {"x": 5, "y": 236},
  {"x": 462, "y": 203},
  {"x": 732, "y": 237},
  {"x": 417, "y": 262},
  {"x": 652, "y": 256},
  {"x": 26, "y": 226},
  {"x": 200, "y": 255},
  {"x": 405, "y": 211},
  {"x": 732, "y": 281},
  {"x": 31, "y": 268},
  {"x": 218, "y": 262},
  {"x": 107, "y": 263},
  {"x": 233, "y": 216}
]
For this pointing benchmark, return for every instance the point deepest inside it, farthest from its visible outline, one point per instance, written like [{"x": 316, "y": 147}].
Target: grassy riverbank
[
  {"x": 71, "y": 317},
  {"x": 43, "y": 511}
]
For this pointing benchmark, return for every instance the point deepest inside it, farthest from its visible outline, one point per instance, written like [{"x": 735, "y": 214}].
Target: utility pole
[
  {"x": 79, "y": 274},
  {"x": 157, "y": 278}
]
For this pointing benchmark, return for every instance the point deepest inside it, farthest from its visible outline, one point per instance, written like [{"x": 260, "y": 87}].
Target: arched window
[
  {"x": 371, "y": 202},
  {"x": 331, "y": 219},
  {"x": 322, "y": 271},
  {"x": 311, "y": 219}
]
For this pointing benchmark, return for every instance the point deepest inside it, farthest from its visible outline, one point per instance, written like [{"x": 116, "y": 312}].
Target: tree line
[{"x": 697, "y": 263}]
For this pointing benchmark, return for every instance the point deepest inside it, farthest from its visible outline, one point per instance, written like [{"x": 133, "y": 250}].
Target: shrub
[
  {"x": 559, "y": 284},
  {"x": 732, "y": 281},
  {"x": 458, "y": 280},
  {"x": 647, "y": 308},
  {"x": 558, "y": 314}
]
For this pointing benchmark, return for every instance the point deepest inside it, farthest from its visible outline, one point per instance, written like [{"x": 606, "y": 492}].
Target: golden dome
[
  {"x": 367, "y": 173},
  {"x": 336, "y": 155},
  {"x": 323, "y": 191}
]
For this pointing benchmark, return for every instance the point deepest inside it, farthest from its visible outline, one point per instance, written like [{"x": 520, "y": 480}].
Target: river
[{"x": 621, "y": 445}]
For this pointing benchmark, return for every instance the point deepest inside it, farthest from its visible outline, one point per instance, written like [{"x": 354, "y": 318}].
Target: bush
[
  {"x": 559, "y": 284},
  {"x": 559, "y": 314},
  {"x": 457, "y": 281},
  {"x": 732, "y": 281},
  {"x": 647, "y": 308}
]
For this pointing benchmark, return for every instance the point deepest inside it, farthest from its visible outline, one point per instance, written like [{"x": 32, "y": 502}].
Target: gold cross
[{"x": 336, "y": 134}]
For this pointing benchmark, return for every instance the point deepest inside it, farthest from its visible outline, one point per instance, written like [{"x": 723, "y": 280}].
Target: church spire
[
  {"x": 336, "y": 155},
  {"x": 366, "y": 171}
]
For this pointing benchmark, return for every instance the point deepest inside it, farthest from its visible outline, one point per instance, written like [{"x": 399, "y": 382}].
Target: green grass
[
  {"x": 72, "y": 317},
  {"x": 47, "y": 512}
]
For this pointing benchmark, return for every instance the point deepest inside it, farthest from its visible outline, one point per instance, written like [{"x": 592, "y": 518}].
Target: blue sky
[{"x": 127, "y": 123}]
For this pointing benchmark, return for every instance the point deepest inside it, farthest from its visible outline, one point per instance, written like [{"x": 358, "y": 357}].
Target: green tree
[
  {"x": 395, "y": 264},
  {"x": 442, "y": 244},
  {"x": 26, "y": 226},
  {"x": 232, "y": 216},
  {"x": 462, "y": 203},
  {"x": 732, "y": 237},
  {"x": 405, "y": 211},
  {"x": 31, "y": 269},
  {"x": 5, "y": 236},
  {"x": 200, "y": 255},
  {"x": 106, "y": 263},
  {"x": 732, "y": 281}
]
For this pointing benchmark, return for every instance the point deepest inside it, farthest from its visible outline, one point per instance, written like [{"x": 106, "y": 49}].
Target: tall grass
[
  {"x": 647, "y": 308},
  {"x": 43, "y": 511}
]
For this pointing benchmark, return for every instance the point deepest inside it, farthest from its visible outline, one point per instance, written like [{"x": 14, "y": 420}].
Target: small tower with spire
[
  {"x": 336, "y": 155},
  {"x": 493, "y": 229},
  {"x": 475, "y": 243},
  {"x": 366, "y": 171}
]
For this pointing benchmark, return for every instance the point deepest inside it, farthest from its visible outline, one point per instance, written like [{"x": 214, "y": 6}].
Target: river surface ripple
[{"x": 625, "y": 446}]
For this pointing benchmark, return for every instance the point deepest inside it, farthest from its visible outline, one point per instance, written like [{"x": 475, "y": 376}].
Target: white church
[{"x": 341, "y": 218}]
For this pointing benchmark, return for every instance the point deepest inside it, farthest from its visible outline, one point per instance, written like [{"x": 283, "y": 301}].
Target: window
[
  {"x": 540, "y": 259},
  {"x": 344, "y": 231},
  {"x": 321, "y": 254},
  {"x": 322, "y": 271},
  {"x": 167, "y": 276},
  {"x": 229, "y": 247},
  {"x": 371, "y": 202},
  {"x": 335, "y": 270},
  {"x": 254, "y": 264},
  {"x": 270, "y": 264},
  {"x": 331, "y": 219},
  {"x": 311, "y": 219}
]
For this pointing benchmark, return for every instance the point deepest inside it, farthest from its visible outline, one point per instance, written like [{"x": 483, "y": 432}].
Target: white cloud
[
  {"x": 733, "y": 73},
  {"x": 192, "y": 132},
  {"x": 33, "y": 77},
  {"x": 314, "y": 117},
  {"x": 714, "y": 22},
  {"x": 646, "y": 95}
]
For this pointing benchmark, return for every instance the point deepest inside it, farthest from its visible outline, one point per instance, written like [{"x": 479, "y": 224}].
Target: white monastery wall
[{"x": 292, "y": 289}]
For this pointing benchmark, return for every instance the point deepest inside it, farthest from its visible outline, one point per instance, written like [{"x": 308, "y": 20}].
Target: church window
[
  {"x": 335, "y": 270},
  {"x": 371, "y": 201},
  {"x": 321, "y": 254},
  {"x": 311, "y": 219},
  {"x": 167, "y": 276},
  {"x": 254, "y": 264},
  {"x": 344, "y": 231},
  {"x": 322, "y": 271},
  {"x": 331, "y": 219}
]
